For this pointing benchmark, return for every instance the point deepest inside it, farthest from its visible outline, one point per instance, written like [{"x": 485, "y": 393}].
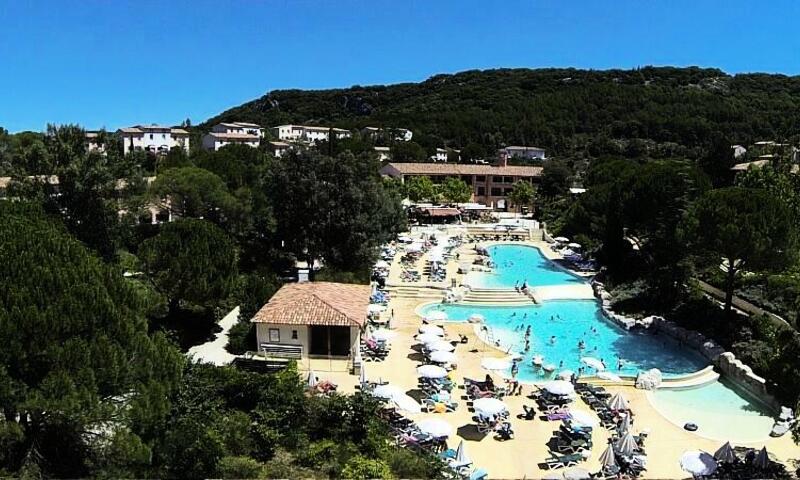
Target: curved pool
[
  {"x": 557, "y": 327},
  {"x": 518, "y": 264}
]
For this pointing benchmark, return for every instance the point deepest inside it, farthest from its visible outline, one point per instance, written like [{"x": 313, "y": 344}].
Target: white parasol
[
  {"x": 431, "y": 371},
  {"x": 405, "y": 402},
  {"x": 561, "y": 239},
  {"x": 382, "y": 335},
  {"x": 443, "y": 357},
  {"x": 436, "y": 316},
  {"x": 386, "y": 391},
  {"x": 574, "y": 246},
  {"x": 440, "y": 345},
  {"x": 489, "y": 406},
  {"x": 312, "y": 379},
  {"x": 433, "y": 329},
  {"x": 592, "y": 362},
  {"x": 581, "y": 417},
  {"x": 382, "y": 264},
  {"x": 428, "y": 338},
  {"x": 559, "y": 387},
  {"x": 698, "y": 463},
  {"x": 435, "y": 427}
]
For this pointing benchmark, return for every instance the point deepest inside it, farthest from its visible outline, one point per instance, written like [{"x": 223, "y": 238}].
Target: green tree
[
  {"x": 96, "y": 371},
  {"x": 748, "y": 229},
  {"x": 408, "y": 152},
  {"x": 191, "y": 261},
  {"x": 363, "y": 468},
  {"x": 522, "y": 194},
  {"x": 555, "y": 178},
  {"x": 419, "y": 189},
  {"x": 455, "y": 190},
  {"x": 337, "y": 209}
]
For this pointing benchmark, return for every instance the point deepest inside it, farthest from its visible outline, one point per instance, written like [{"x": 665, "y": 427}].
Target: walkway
[
  {"x": 214, "y": 351},
  {"x": 740, "y": 303}
]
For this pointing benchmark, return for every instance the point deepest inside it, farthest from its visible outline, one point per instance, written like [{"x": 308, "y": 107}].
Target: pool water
[
  {"x": 717, "y": 409},
  {"x": 569, "y": 321},
  {"x": 516, "y": 264}
]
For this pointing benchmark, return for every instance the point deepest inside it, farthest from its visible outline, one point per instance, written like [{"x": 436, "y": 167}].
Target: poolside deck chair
[
  {"x": 430, "y": 405},
  {"x": 563, "y": 461},
  {"x": 478, "y": 474}
]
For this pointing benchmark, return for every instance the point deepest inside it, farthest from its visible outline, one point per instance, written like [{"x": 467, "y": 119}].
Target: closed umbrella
[
  {"x": 428, "y": 338},
  {"x": 495, "y": 364},
  {"x": 435, "y": 427},
  {"x": 762, "y": 459},
  {"x": 618, "y": 402},
  {"x": 725, "y": 454},
  {"x": 432, "y": 329},
  {"x": 592, "y": 362},
  {"x": 611, "y": 377},
  {"x": 462, "y": 459},
  {"x": 441, "y": 345},
  {"x": 443, "y": 357},
  {"x": 436, "y": 316},
  {"x": 489, "y": 406},
  {"x": 625, "y": 425},
  {"x": 626, "y": 445},
  {"x": 698, "y": 463},
  {"x": 559, "y": 387},
  {"x": 312, "y": 379},
  {"x": 583, "y": 418},
  {"x": 431, "y": 371},
  {"x": 608, "y": 459},
  {"x": 383, "y": 335}
]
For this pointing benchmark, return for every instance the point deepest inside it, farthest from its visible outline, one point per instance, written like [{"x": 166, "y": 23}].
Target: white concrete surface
[{"x": 214, "y": 351}]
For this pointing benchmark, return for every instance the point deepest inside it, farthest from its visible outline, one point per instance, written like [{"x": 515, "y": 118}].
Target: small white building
[
  {"x": 307, "y": 133},
  {"x": 384, "y": 153},
  {"x": 398, "y": 134},
  {"x": 153, "y": 138},
  {"x": 529, "y": 153},
  {"x": 94, "y": 143},
  {"x": 738, "y": 151},
  {"x": 242, "y": 133},
  {"x": 441, "y": 154},
  {"x": 279, "y": 149},
  {"x": 312, "y": 319}
]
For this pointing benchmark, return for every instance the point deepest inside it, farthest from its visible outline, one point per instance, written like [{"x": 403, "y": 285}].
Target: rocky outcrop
[{"x": 649, "y": 380}]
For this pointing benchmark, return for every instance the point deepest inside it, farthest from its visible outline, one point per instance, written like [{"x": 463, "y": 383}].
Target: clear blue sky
[{"x": 117, "y": 63}]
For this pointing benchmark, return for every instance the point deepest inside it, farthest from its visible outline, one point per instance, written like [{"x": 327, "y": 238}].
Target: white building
[
  {"x": 153, "y": 138},
  {"x": 306, "y": 133},
  {"x": 441, "y": 154},
  {"x": 399, "y": 134},
  {"x": 522, "y": 152},
  {"x": 738, "y": 151},
  {"x": 279, "y": 149},
  {"x": 94, "y": 143},
  {"x": 384, "y": 153},
  {"x": 229, "y": 133}
]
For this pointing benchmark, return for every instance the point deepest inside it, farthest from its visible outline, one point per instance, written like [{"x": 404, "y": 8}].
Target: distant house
[
  {"x": 312, "y": 319},
  {"x": 491, "y": 184},
  {"x": 233, "y": 133},
  {"x": 384, "y": 153},
  {"x": 398, "y": 134},
  {"x": 279, "y": 149},
  {"x": 94, "y": 142},
  {"x": 442, "y": 154},
  {"x": 738, "y": 151},
  {"x": 153, "y": 138},
  {"x": 306, "y": 133},
  {"x": 529, "y": 153}
]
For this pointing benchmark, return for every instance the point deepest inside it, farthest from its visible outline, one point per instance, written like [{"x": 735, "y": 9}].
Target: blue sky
[{"x": 116, "y": 63}]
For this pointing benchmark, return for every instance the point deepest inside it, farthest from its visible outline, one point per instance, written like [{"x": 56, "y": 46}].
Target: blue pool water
[
  {"x": 570, "y": 321},
  {"x": 518, "y": 264}
]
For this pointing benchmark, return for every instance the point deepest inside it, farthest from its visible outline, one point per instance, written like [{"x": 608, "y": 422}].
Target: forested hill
[{"x": 560, "y": 109}]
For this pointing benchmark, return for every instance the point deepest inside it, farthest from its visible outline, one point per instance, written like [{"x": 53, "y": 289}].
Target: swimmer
[
  {"x": 619, "y": 364},
  {"x": 561, "y": 364},
  {"x": 603, "y": 363},
  {"x": 552, "y": 340}
]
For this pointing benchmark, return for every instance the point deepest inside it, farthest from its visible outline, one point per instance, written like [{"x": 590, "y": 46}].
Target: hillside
[{"x": 564, "y": 110}]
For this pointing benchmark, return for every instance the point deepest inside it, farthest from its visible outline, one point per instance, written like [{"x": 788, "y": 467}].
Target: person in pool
[
  {"x": 619, "y": 364},
  {"x": 581, "y": 345},
  {"x": 552, "y": 340}
]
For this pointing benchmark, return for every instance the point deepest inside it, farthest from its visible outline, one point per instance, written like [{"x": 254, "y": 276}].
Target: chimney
[{"x": 502, "y": 158}]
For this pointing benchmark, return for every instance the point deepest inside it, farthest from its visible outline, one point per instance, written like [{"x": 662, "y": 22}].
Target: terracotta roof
[
  {"x": 246, "y": 124},
  {"x": 317, "y": 303},
  {"x": 440, "y": 211},
  {"x": 460, "y": 169},
  {"x": 234, "y": 136}
]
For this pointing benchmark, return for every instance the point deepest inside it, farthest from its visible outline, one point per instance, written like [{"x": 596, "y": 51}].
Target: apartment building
[
  {"x": 228, "y": 133},
  {"x": 153, "y": 138},
  {"x": 307, "y": 133}
]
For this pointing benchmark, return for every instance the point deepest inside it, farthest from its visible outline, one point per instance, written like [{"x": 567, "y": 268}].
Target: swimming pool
[
  {"x": 718, "y": 410},
  {"x": 517, "y": 264},
  {"x": 567, "y": 322}
]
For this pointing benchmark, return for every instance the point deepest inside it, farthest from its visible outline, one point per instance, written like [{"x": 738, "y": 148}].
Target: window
[
  {"x": 151, "y": 136},
  {"x": 481, "y": 191},
  {"x": 507, "y": 191},
  {"x": 274, "y": 335},
  {"x": 496, "y": 192},
  {"x": 508, "y": 179},
  {"x": 294, "y": 334},
  {"x": 480, "y": 178}
]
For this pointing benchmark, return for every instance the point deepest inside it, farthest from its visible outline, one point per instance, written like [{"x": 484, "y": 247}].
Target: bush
[
  {"x": 360, "y": 467},
  {"x": 239, "y": 467},
  {"x": 241, "y": 338},
  {"x": 407, "y": 464}
]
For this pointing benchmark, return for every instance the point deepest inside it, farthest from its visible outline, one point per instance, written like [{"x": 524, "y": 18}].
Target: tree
[
  {"x": 419, "y": 189},
  {"x": 191, "y": 261},
  {"x": 78, "y": 366},
  {"x": 522, "y": 194},
  {"x": 408, "y": 152},
  {"x": 362, "y": 468},
  {"x": 555, "y": 178},
  {"x": 336, "y": 209},
  {"x": 197, "y": 193},
  {"x": 455, "y": 190},
  {"x": 748, "y": 228}
]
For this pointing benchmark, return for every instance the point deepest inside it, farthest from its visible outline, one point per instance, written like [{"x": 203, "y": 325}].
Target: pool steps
[{"x": 681, "y": 382}]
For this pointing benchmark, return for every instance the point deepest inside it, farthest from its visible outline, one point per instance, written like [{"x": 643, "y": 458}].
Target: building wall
[{"x": 303, "y": 339}]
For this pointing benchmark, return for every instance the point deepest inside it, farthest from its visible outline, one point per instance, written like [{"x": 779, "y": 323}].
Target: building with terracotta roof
[
  {"x": 491, "y": 184},
  {"x": 153, "y": 138},
  {"x": 307, "y": 133},
  {"x": 227, "y": 133},
  {"x": 530, "y": 153},
  {"x": 313, "y": 319}
]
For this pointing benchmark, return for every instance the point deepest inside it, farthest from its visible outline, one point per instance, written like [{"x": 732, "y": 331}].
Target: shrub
[
  {"x": 239, "y": 467},
  {"x": 360, "y": 467}
]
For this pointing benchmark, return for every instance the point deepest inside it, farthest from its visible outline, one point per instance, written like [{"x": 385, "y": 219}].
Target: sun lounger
[
  {"x": 574, "y": 446},
  {"x": 429, "y": 405},
  {"x": 563, "y": 461},
  {"x": 552, "y": 417},
  {"x": 478, "y": 474}
]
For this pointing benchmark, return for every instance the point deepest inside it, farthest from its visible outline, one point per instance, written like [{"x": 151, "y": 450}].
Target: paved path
[
  {"x": 739, "y": 303},
  {"x": 214, "y": 351}
]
